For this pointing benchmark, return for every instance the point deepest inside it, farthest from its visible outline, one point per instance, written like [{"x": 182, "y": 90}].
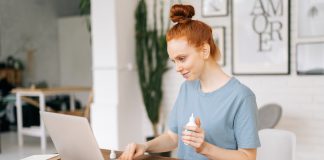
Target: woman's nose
[{"x": 178, "y": 68}]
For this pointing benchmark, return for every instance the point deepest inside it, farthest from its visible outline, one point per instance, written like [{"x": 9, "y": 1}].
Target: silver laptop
[{"x": 72, "y": 136}]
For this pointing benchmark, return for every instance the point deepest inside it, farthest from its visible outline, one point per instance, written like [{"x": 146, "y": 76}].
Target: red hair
[{"x": 196, "y": 32}]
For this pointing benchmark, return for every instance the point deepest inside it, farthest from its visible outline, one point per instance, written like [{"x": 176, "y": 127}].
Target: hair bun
[{"x": 180, "y": 13}]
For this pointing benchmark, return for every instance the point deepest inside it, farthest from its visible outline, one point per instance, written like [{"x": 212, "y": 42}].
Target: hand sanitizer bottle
[
  {"x": 191, "y": 122},
  {"x": 112, "y": 155}
]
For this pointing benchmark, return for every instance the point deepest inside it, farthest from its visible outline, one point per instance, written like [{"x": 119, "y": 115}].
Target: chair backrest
[
  {"x": 86, "y": 112},
  {"x": 269, "y": 115},
  {"x": 276, "y": 145}
]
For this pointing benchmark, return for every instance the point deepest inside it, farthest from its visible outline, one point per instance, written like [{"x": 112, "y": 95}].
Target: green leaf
[{"x": 151, "y": 60}]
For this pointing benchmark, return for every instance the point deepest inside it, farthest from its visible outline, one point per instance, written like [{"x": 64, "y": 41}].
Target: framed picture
[
  {"x": 214, "y": 8},
  {"x": 219, "y": 39},
  {"x": 310, "y": 58},
  {"x": 310, "y": 18},
  {"x": 260, "y": 37}
]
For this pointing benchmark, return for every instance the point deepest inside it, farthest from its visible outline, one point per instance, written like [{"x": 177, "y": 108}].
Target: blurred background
[{"x": 276, "y": 48}]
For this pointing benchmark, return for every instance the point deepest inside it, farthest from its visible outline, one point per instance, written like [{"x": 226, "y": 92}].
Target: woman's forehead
[
  {"x": 179, "y": 48},
  {"x": 178, "y": 44}
]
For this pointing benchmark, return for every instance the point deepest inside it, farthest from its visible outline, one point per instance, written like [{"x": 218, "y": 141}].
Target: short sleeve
[{"x": 245, "y": 124}]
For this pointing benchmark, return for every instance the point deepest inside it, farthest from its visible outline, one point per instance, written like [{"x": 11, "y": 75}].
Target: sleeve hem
[
  {"x": 249, "y": 146},
  {"x": 174, "y": 130}
]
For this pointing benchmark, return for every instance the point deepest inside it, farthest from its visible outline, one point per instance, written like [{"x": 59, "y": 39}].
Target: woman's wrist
[
  {"x": 146, "y": 145},
  {"x": 203, "y": 149}
]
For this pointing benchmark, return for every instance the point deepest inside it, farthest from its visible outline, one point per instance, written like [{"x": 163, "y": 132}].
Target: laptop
[{"x": 72, "y": 136}]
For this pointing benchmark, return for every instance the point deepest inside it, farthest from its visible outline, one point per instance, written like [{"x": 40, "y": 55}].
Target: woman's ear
[{"x": 206, "y": 50}]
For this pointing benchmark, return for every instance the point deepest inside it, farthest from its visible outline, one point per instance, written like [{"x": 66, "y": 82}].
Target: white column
[
  {"x": 116, "y": 115},
  {"x": 104, "y": 55}
]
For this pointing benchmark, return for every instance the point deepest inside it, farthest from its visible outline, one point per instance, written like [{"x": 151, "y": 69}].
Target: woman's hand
[
  {"x": 133, "y": 151},
  {"x": 195, "y": 137}
]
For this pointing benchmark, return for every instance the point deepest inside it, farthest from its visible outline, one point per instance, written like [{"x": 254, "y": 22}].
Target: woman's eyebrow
[
  {"x": 177, "y": 57},
  {"x": 180, "y": 55}
]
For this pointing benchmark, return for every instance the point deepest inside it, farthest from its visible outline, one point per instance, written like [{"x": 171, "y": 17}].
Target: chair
[
  {"x": 82, "y": 112},
  {"x": 269, "y": 115},
  {"x": 276, "y": 145}
]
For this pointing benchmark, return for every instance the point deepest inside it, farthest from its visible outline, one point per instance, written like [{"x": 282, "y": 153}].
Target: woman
[{"x": 227, "y": 127}]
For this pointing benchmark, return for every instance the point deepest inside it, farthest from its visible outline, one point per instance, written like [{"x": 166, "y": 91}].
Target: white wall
[
  {"x": 302, "y": 97},
  {"x": 31, "y": 24},
  {"x": 75, "y": 53}
]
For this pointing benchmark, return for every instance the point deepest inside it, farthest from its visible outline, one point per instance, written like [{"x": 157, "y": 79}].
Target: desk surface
[{"x": 106, "y": 154}]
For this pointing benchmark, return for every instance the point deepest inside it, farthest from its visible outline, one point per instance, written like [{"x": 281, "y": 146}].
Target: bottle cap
[{"x": 192, "y": 118}]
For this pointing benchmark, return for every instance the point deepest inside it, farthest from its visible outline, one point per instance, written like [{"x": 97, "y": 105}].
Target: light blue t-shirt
[{"x": 228, "y": 116}]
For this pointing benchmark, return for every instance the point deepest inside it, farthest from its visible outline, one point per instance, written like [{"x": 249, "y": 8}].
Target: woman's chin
[{"x": 190, "y": 78}]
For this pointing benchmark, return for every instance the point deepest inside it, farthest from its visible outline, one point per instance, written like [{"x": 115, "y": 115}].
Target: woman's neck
[{"x": 213, "y": 77}]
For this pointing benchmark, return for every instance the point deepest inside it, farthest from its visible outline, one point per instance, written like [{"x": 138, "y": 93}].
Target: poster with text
[{"x": 260, "y": 35}]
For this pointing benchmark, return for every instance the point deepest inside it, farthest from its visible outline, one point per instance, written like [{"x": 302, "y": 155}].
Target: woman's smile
[{"x": 186, "y": 75}]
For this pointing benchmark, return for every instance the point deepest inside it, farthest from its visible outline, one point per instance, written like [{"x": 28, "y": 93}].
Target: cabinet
[{"x": 13, "y": 76}]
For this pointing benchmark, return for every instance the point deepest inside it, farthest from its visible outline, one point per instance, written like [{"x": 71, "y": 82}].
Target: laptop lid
[{"x": 72, "y": 136}]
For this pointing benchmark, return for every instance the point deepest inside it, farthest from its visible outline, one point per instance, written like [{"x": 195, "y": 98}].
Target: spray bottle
[
  {"x": 191, "y": 122},
  {"x": 112, "y": 155}
]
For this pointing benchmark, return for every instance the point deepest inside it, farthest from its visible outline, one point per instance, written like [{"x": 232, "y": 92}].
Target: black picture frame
[
  {"x": 209, "y": 8},
  {"x": 219, "y": 36},
  {"x": 260, "y": 37},
  {"x": 310, "y": 17},
  {"x": 310, "y": 58}
]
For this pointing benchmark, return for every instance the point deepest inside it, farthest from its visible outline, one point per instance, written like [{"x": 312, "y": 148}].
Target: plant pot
[{"x": 163, "y": 154}]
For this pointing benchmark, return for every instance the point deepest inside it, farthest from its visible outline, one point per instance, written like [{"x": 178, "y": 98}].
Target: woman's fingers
[
  {"x": 194, "y": 140},
  {"x": 197, "y": 121},
  {"x": 193, "y": 136},
  {"x": 193, "y": 128},
  {"x": 137, "y": 154},
  {"x": 140, "y": 149},
  {"x": 197, "y": 138},
  {"x": 192, "y": 143},
  {"x": 131, "y": 150},
  {"x": 128, "y": 154}
]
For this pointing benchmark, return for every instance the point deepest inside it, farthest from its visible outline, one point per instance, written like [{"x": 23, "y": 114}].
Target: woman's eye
[{"x": 182, "y": 59}]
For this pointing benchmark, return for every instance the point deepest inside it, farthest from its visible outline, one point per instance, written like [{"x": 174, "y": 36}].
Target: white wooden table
[
  {"x": 41, "y": 93},
  {"x": 40, "y": 157}
]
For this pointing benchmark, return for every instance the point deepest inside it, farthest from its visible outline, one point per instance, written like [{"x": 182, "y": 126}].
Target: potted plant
[
  {"x": 85, "y": 9},
  {"x": 151, "y": 60}
]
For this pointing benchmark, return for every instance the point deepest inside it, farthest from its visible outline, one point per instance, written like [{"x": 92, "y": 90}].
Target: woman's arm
[
  {"x": 196, "y": 137},
  {"x": 165, "y": 142},
  {"x": 217, "y": 153}
]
